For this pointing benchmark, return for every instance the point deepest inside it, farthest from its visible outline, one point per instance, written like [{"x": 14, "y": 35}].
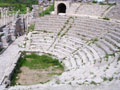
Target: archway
[{"x": 61, "y": 8}]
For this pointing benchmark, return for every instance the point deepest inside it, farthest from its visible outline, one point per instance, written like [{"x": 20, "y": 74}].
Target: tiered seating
[
  {"x": 92, "y": 60},
  {"x": 87, "y": 29},
  {"x": 92, "y": 9},
  {"x": 50, "y": 23},
  {"x": 74, "y": 7},
  {"x": 46, "y": 30}
]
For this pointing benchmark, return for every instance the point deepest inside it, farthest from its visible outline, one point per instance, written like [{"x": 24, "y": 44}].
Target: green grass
[
  {"x": 109, "y": 79},
  {"x": 92, "y": 82},
  {"x": 47, "y": 11},
  {"x": 110, "y": 4},
  {"x": 102, "y": 3},
  {"x": 105, "y": 79},
  {"x": 12, "y": 12},
  {"x": 15, "y": 7},
  {"x": 94, "y": 1},
  {"x": 108, "y": 55},
  {"x": 40, "y": 62},
  {"x": 92, "y": 41},
  {"x": 31, "y": 28},
  {"x": 106, "y": 18}
]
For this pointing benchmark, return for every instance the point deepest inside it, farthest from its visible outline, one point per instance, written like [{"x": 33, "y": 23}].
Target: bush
[
  {"x": 47, "y": 11},
  {"x": 106, "y": 18},
  {"x": 31, "y": 27},
  {"x": 102, "y": 3},
  {"x": 94, "y": 1}
]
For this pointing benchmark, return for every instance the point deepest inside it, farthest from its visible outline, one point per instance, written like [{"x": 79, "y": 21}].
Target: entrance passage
[{"x": 61, "y": 8}]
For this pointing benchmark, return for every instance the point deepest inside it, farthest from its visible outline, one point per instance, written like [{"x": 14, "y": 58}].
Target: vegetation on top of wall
[
  {"x": 47, "y": 11},
  {"x": 18, "y": 4},
  {"x": 103, "y": 3},
  {"x": 31, "y": 28},
  {"x": 94, "y": 1},
  {"x": 106, "y": 18}
]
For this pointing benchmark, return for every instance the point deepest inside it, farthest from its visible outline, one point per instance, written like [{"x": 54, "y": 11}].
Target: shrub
[
  {"x": 31, "y": 27},
  {"x": 105, "y": 79},
  {"x": 92, "y": 82},
  {"x": 47, "y": 11},
  {"x": 102, "y": 3},
  {"x": 110, "y": 79},
  {"x": 106, "y": 18},
  {"x": 94, "y": 1}
]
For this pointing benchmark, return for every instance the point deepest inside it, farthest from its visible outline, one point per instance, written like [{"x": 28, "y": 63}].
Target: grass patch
[
  {"x": 94, "y": 1},
  {"x": 92, "y": 82},
  {"x": 36, "y": 62},
  {"x": 106, "y": 18},
  {"x": 105, "y": 79},
  {"x": 108, "y": 55},
  {"x": 47, "y": 11},
  {"x": 92, "y": 41},
  {"x": 109, "y": 79},
  {"x": 102, "y": 3},
  {"x": 31, "y": 28},
  {"x": 110, "y": 4}
]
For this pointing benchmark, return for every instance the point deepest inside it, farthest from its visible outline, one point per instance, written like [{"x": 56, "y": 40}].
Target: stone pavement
[{"x": 9, "y": 57}]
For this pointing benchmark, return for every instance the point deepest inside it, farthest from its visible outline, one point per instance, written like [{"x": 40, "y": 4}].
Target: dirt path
[{"x": 31, "y": 76}]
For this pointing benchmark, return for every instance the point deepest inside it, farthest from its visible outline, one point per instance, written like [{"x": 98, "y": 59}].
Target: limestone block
[
  {"x": 6, "y": 31},
  {"x": 4, "y": 41}
]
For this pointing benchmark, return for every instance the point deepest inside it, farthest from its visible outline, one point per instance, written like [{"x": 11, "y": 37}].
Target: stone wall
[{"x": 66, "y": 3}]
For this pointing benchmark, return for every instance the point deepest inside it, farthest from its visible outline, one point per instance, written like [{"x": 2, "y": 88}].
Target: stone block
[{"x": 4, "y": 40}]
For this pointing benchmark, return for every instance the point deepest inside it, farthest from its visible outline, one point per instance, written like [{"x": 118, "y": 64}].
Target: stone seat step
[
  {"x": 117, "y": 29},
  {"x": 67, "y": 64},
  {"x": 100, "y": 51},
  {"x": 89, "y": 55},
  {"x": 58, "y": 53},
  {"x": 112, "y": 41},
  {"x": 63, "y": 49},
  {"x": 115, "y": 33},
  {"x": 83, "y": 56},
  {"x": 88, "y": 32},
  {"x": 112, "y": 47},
  {"x": 73, "y": 62},
  {"x": 82, "y": 35},
  {"x": 104, "y": 47},
  {"x": 66, "y": 45},
  {"x": 114, "y": 37},
  {"x": 92, "y": 50},
  {"x": 78, "y": 60}
]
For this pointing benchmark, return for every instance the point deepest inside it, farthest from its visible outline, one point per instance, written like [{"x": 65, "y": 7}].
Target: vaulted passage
[{"x": 61, "y": 8}]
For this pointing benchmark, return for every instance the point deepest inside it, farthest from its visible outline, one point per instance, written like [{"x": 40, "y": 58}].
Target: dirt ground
[{"x": 31, "y": 76}]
